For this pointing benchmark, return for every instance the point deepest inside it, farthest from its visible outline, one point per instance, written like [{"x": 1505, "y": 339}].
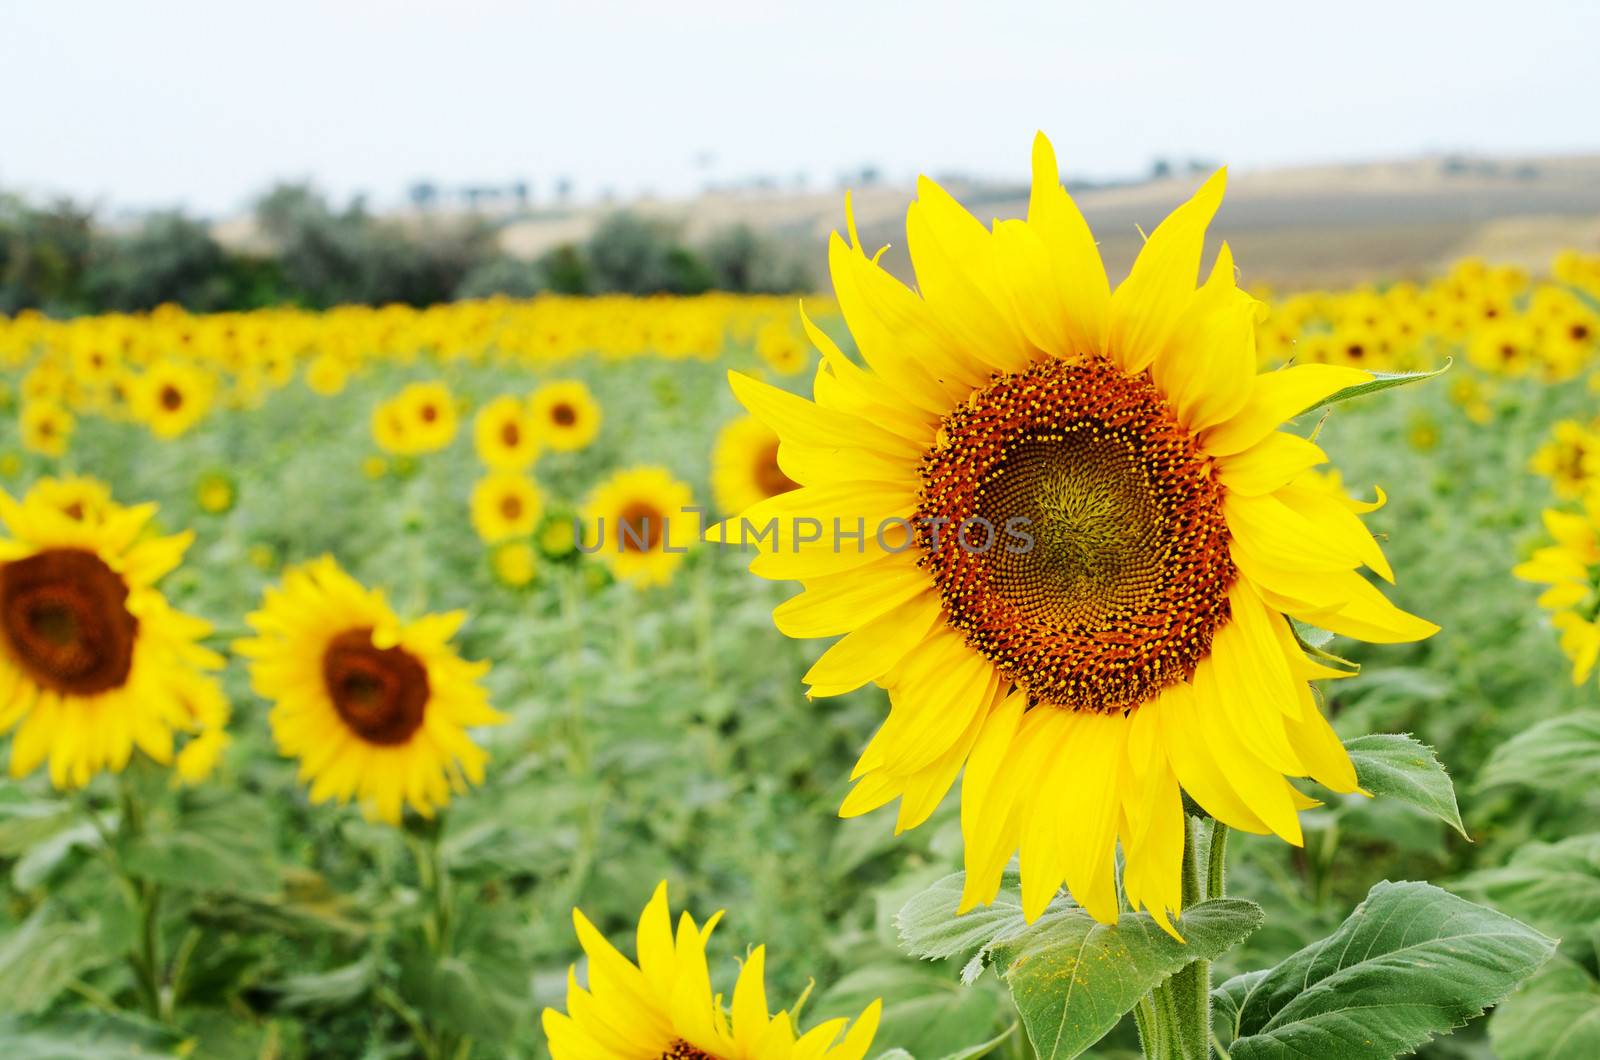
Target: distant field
[{"x": 1316, "y": 226}]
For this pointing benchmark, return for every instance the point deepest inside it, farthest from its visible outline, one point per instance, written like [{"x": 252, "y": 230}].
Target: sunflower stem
[{"x": 1183, "y": 1003}]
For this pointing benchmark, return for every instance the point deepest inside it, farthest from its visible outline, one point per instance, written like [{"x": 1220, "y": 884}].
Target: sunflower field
[{"x": 392, "y": 682}]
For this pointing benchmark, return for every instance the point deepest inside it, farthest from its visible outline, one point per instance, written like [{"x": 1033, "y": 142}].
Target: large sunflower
[
  {"x": 663, "y": 1008},
  {"x": 375, "y": 709},
  {"x": 744, "y": 465},
  {"x": 1089, "y": 533},
  {"x": 93, "y": 660}
]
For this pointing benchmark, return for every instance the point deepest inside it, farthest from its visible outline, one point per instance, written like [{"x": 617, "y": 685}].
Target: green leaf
[
  {"x": 86, "y": 1036},
  {"x": 41, "y": 957},
  {"x": 930, "y": 928},
  {"x": 42, "y": 860},
  {"x": 1412, "y": 961},
  {"x": 1073, "y": 978},
  {"x": 1399, "y": 767},
  {"x": 218, "y": 842},
  {"x": 1379, "y": 381},
  {"x": 1560, "y": 753},
  {"x": 331, "y": 989},
  {"x": 1555, "y": 886},
  {"x": 1553, "y": 1016}
]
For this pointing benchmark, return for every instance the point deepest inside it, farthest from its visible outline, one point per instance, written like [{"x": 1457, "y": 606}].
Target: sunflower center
[
  {"x": 381, "y": 693},
  {"x": 563, "y": 414},
  {"x": 171, "y": 398},
  {"x": 511, "y": 507},
  {"x": 1076, "y": 535},
  {"x": 429, "y": 413},
  {"x": 510, "y": 435},
  {"x": 639, "y": 527},
  {"x": 770, "y": 478},
  {"x": 64, "y": 615},
  {"x": 682, "y": 1050}
]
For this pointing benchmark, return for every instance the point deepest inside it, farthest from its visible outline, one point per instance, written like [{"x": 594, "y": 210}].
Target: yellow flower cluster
[
  {"x": 1497, "y": 318},
  {"x": 168, "y": 368},
  {"x": 1570, "y": 566}
]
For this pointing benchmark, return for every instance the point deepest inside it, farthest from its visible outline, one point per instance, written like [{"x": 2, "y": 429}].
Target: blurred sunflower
[
  {"x": 565, "y": 414},
  {"x": 216, "y": 492},
  {"x": 503, "y": 435},
  {"x": 782, "y": 349},
  {"x": 744, "y": 466},
  {"x": 95, "y": 662},
  {"x": 1570, "y": 459},
  {"x": 663, "y": 1007},
  {"x": 1569, "y": 566},
  {"x": 75, "y": 496},
  {"x": 1109, "y": 533},
  {"x": 326, "y": 375},
  {"x": 376, "y": 709},
  {"x": 428, "y": 413},
  {"x": 640, "y": 522},
  {"x": 46, "y": 427},
  {"x": 171, "y": 397},
  {"x": 514, "y": 563},
  {"x": 505, "y": 504}
]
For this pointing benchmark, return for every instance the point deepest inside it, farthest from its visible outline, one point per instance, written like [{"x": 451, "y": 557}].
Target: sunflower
[
  {"x": 1089, "y": 533},
  {"x": 171, "y": 397},
  {"x": 75, "y": 496},
  {"x": 782, "y": 349},
  {"x": 93, "y": 660},
  {"x": 46, "y": 427},
  {"x": 641, "y": 523},
  {"x": 504, "y": 436},
  {"x": 514, "y": 563},
  {"x": 326, "y": 375},
  {"x": 663, "y": 1007},
  {"x": 505, "y": 504},
  {"x": 744, "y": 465},
  {"x": 1570, "y": 459},
  {"x": 565, "y": 414},
  {"x": 216, "y": 492},
  {"x": 376, "y": 709},
  {"x": 427, "y": 412}
]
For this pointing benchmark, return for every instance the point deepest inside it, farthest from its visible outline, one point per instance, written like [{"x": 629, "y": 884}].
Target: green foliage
[
  {"x": 1412, "y": 961},
  {"x": 1555, "y": 886},
  {"x": 1380, "y": 381},
  {"x": 1553, "y": 1016},
  {"x": 1072, "y": 978},
  {"x": 1557, "y": 754},
  {"x": 1395, "y": 766}
]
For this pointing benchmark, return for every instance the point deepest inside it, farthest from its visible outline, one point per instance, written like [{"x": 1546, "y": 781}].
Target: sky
[{"x": 201, "y": 105}]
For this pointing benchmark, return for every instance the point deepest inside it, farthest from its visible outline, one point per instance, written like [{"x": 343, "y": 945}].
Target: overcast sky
[{"x": 141, "y": 104}]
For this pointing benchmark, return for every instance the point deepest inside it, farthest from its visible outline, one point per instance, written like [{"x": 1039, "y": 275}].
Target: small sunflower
[
  {"x": 216, "y": 492},
  {"x": 1091, "y": 535},
  {"x": 389, "y": 428},
  {"x": 93, "y": 660},
  {"x": 641, "y": 523},
  {"x": 504, "y": 435},
  {"x": 171, "y": 397},
  {"x": 428, "y": 411},
  {"x": 46, "y": 427},
  {"x": 75, "y": 496},
  {"x": 565, "y": 414},
  {"x": 663, "y": 1007},
  {"x": 514, "y": 563},
  {"x": 377, "y": 710},
  {"x": 782, "y": 349},
  {"x": 326, "y": 375},
  {"x": 744, "y": 466},
  {"x": 505, "y": 504}
]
